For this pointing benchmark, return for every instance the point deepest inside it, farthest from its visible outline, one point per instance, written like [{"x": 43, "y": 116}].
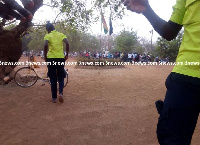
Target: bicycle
[{"x": 27, "y": 76}]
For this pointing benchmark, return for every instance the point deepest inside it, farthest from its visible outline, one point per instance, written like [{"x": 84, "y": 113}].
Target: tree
[
  {"x": 79, "y": 41},
  {"x": 25, "y": 41},
  {"x": 139, "y": 49},
  {"x": 72, "y": 13},
  {"x": 116, "y": 7},
  {"x": 10, "y": 42},
  {"x": 169, "y": 49},
  {"x": 146, "y": 47},
  {"x": 78, "y": 15},
  {"x": 126, "y": 41},
  {"x": 89, "y": 42},
  {"x": 37, "y": 38},
  {"x": 106, "y": 42}
]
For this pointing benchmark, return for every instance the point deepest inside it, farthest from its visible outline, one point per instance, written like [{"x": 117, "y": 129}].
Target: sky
[{"x": 131, "y": 20}]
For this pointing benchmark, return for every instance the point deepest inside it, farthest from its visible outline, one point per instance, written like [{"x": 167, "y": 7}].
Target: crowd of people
[
  {"x": 126, "y": 57},
  {"x": 179, "y": 112}
]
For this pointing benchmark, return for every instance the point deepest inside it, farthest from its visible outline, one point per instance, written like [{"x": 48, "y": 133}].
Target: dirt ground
[{"x": 102, "y": 107}]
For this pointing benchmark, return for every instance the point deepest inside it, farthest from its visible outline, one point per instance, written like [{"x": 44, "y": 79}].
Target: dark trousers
[
  {"x": 180, "y": 112},
  {"x": 56, "y": 73}
]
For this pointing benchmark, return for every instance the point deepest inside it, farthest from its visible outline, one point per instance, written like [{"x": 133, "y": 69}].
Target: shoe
[
  {"x": 61, "y": 100},
  {"x": 54, "y": 100}
]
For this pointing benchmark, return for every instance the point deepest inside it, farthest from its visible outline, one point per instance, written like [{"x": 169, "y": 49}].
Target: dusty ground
[{"x": 102, "y": 107}]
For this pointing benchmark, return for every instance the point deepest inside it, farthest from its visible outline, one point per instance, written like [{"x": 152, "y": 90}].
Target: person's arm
[
  {"x": 46, "y": 47},
  {"x": 67, "y": 48},
  {"x": 167, "y": 30}
]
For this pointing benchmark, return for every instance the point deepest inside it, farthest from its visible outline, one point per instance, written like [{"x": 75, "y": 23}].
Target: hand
[
  {"x": 45, "y": 58},
  {"x": 66, "y": 57},
  {"x": 138, "y": 6}
]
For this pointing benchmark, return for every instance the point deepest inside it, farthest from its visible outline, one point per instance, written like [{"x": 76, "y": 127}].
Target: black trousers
[
  {"x": 56, "y": 73},
  {"x": 180, "y": 112}
]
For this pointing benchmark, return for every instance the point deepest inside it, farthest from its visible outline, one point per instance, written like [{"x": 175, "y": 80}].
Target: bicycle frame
[{"x": 28, "y": 76}]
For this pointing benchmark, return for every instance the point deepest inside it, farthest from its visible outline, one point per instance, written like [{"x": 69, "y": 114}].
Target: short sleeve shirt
[
  {"x": 55, "y": 40},
  {"x": 187, "y": 13}
]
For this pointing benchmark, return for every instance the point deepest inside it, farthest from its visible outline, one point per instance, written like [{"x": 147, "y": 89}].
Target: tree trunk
[
  {"x": 11, "y": 45},
  {"x": 10, "y": 51}
]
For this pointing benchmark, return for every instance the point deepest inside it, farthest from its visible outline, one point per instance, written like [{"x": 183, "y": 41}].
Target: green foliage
[
  {"x": 81, "y": 14},
  {"x": 126, "y": 41},
  {"x": 169, "y": 48},
  {"x": 79, "y": 41},
  {"x": 25, "y": 41},
  {"x": 89, "y": 42},
  {"x": 9, "y": 27},
  {"x": 139, "y": 49},
  {"x": 116, "y": 7},
  {"x": 37, "y": 38},
  {"x": 74, "y": 13}
]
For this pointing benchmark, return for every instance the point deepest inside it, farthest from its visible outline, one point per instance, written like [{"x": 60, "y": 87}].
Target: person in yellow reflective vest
[
  {"x": 54, "y": 45},
  {"x": 180, "y": 110}
]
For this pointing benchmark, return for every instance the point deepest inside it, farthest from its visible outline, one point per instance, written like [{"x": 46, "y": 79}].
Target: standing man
[
  {"x": 54, "y": 45},
  {"x": 130, "y": 57},
  {"x": 180, "y": 110}
]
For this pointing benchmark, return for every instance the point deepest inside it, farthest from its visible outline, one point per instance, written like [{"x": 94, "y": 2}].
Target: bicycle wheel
[
  {"x": 66, "y": 78},
  {"x": 25, "y": 77}
]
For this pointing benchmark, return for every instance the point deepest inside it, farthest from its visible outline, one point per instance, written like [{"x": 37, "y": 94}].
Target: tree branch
[
  {"x": 57, "y": 16},
  {"x": 49, "y": 5},
  {"x": 2, "y": 24},
  {"x": 23, "y": 26}
]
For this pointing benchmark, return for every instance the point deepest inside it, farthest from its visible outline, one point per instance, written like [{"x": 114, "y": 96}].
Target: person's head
[{"x": 49, "y": 27}]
